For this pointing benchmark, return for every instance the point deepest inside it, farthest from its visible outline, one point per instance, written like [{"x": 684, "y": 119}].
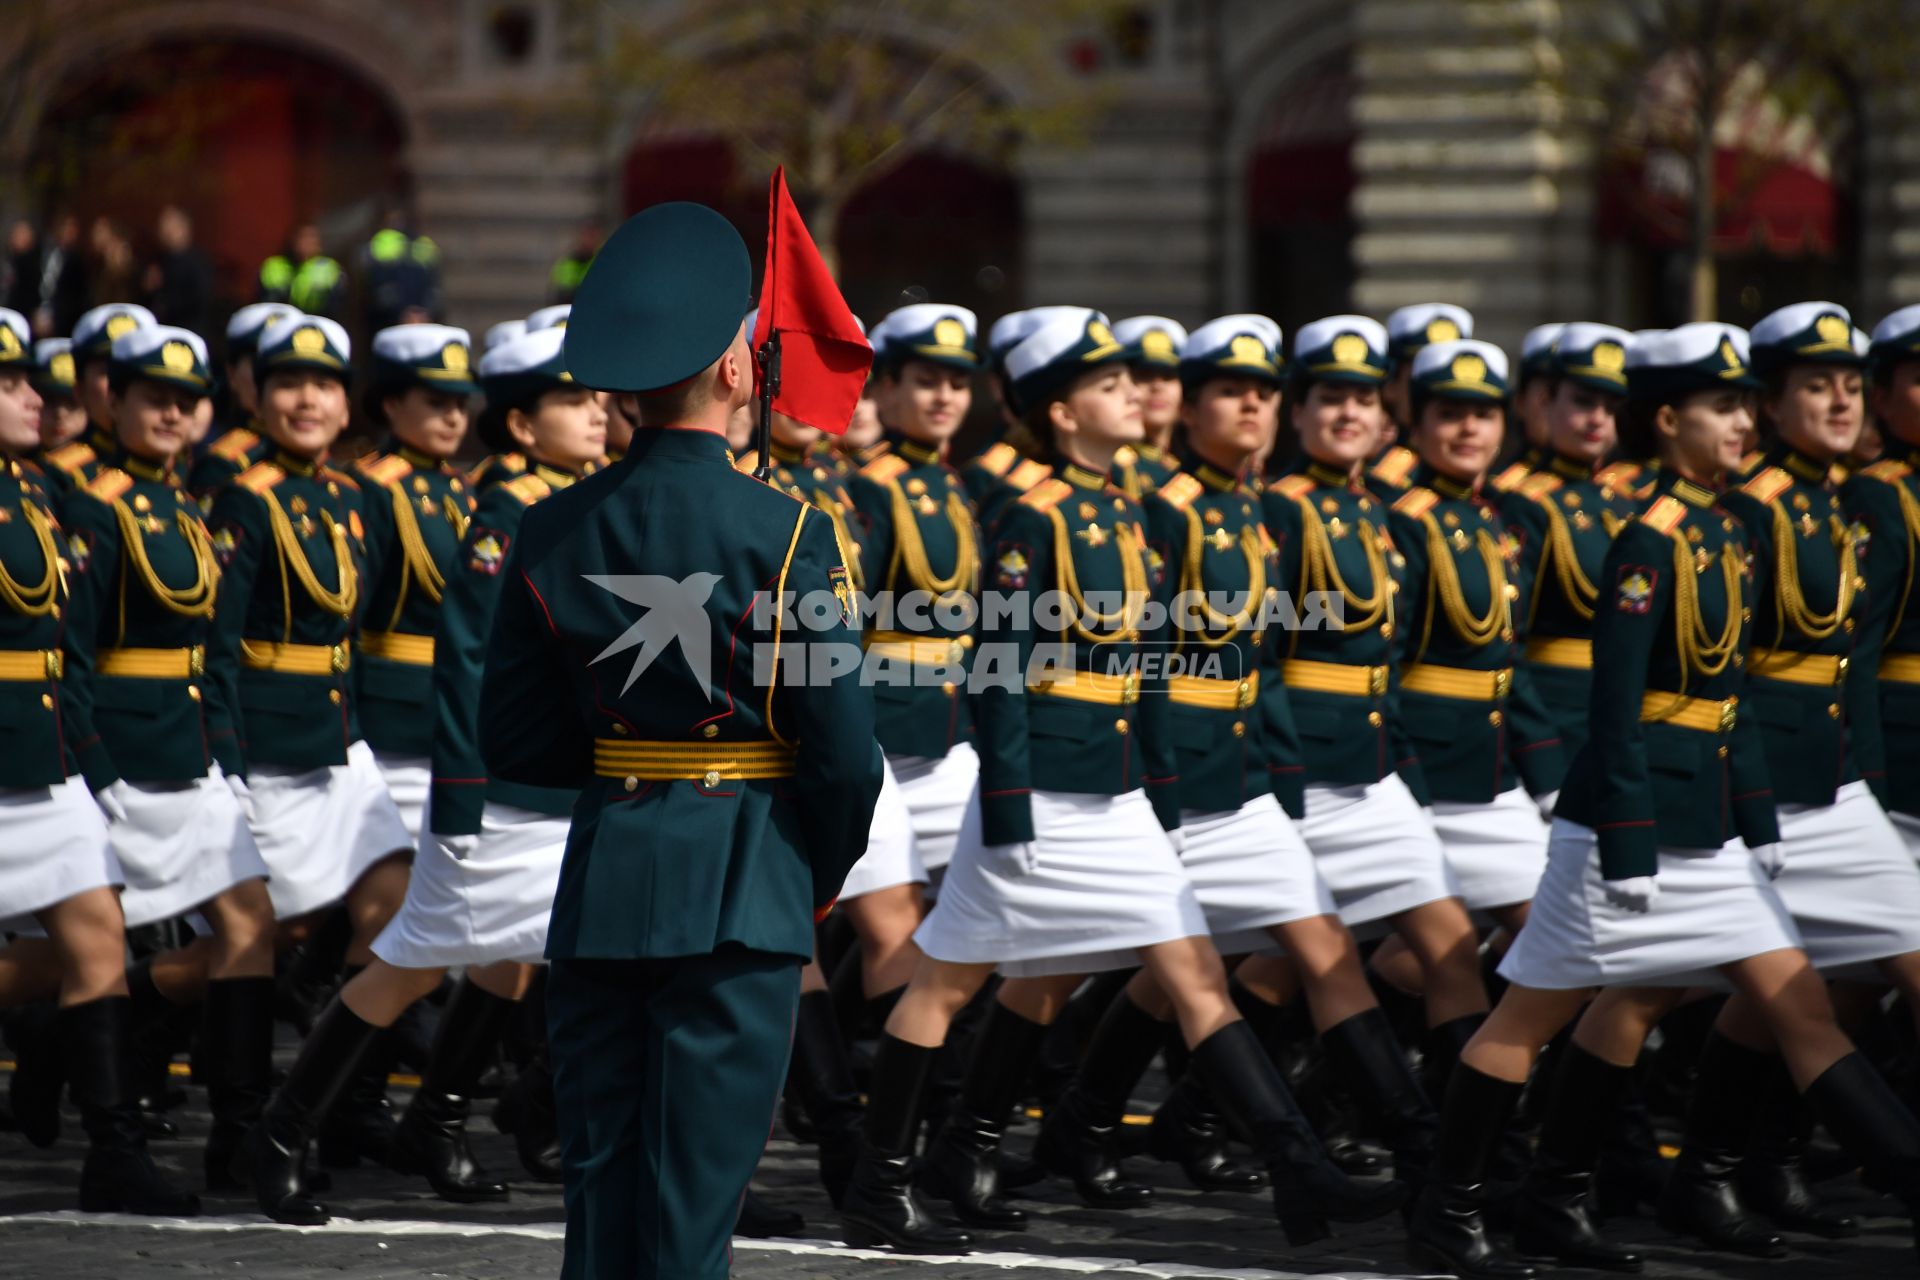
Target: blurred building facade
[{"x": 1291, "y": 156}]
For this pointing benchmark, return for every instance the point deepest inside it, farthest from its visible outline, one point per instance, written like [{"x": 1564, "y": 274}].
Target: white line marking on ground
[{"x": 401, "y": 1227}]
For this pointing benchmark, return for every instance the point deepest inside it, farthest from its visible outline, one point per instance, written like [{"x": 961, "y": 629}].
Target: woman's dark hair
[
  {"x": 1036, "y": 425},
  {"x": 1639, "y": 438},
  {"x": 373, "y": 401}
]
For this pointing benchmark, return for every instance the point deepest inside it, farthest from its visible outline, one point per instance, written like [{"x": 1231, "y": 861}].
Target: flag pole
[{"x": 769, "y": 357}]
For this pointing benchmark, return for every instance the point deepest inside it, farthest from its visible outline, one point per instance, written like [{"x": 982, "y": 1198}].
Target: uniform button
[
  {"x": 1746, "y": 615},
  {"x": 966, "y": 642},
  {"x": 620, "y": 729},
  {"x": 631, "y": 784},
  {"x": 1723, "y": 753},
  {"x": 710, "y": 731},
  {"x": 1239, "y": 728},
  {"x": 1494, "y": 718},
  {"x": 1375, "y": 719},
  {"x": 711, "y": 780},
  {"x": 1121, "y": 727},
  {"x": 1739, "y": 659},
  {"x": 193, "y": 691},
  {"x": 333, "y": 696},
  {"x": 1848, "y": 624},
  {"x": 1833, "y": 709},
  {"x": 947, "y": 687},
  {"x": 46, "y": 700},
  {"x": 1386, "y": 631}
]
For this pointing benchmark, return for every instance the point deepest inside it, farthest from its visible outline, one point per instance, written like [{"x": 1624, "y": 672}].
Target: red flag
[{"x": 824, "y": 357}]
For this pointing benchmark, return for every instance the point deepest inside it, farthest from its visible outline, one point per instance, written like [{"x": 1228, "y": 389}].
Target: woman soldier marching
[
  {"x": 1256, "y": 880},
  {"x": 1652, "y": 876},
  {"x": 1063, "y": 868},
  {"x": 288, "y": 534},
  {"x": 1154, "y": 345},
  {"x": 415, "y": 507},
  {"x": 1566, "y": 514},
  {"x": 153, "y": 734},
  {"x": 482, "y": 884},
  {"x": 57, "y": 870},
  {"x": 1375, "y": 849}
]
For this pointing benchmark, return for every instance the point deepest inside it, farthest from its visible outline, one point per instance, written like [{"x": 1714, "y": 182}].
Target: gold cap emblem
[
  {"x": 1100, "y": 334},
  {"x": 10, "y": 348},
  {"x": 120, "y": 324},
  {"x": 1247, "y": 349},
  {"x": 1729, "y": 355},
  {"x": 1442, "y": 329},
  {"x": 177, "y": 357},
  {"x": 454, "y": 357},
  {"x": 1832, "y": 328},
  {"x": 1157, "y": 343},
  {"x": 1468, "y": 368},
  {"x": 950, "y": 333},
  {"x": 1610, "y": 357},
  {"x": 1350, "y": 348},
  {"x": 309, "y": 341},
  {"x": 61, "y": 367}
]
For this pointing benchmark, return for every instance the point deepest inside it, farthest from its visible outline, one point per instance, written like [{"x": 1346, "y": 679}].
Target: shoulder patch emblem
[
  {"x": 1028, "y": 474},
  {"x": 1048, "y": 495},
  {"x": 1180, "y": 491},
  {"x": 1416, "y": 502},
  {"x": 260, "y": 477},
  {"x": 488, "y": 552},
  {"x": 885, "y": 468},
  {"x": 1767, "y": 484},
  {"x": 999, "y": 459},
  {"x": 235, "y": 445},
  {"x": 110, "y": 484},
  {"x": 226, "y": 541},
  {"x": 1010, "y": 570},
  {"x": 529, "y": 488},
  {"x": 1665, "y": 514},
  {"x": 1512, "y": 478},
  {"x": 1634, "y": 592},
  {"x": 1396, "y": 466}
]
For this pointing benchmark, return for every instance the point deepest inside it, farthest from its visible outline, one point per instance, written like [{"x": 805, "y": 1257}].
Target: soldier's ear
[
  {"x": 520, "y": 427},
  {"x": 1060, "y": 417},
  {"x": 1666, "y": 421}
]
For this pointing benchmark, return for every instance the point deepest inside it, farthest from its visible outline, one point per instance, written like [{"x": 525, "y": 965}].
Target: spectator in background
[
  {"x": 399, "y": 275},
  {"x": 305, "y": 277},
  {"x": 20, "y": 277},
  {"x": 66, "y": 284},
  {"x": 179, "y": 282},
  {"x": 572, "y": 269},
  {"x": 114, "y": 273}
]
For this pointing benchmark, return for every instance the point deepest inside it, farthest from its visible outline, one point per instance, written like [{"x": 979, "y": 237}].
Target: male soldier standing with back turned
[{"x": 721, "y": 809}]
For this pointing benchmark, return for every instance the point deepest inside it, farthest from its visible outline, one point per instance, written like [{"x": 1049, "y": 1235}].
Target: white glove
[
  {"x": 1546, "y": 803},
  {"x": 1017, "y": 859},
  {"x": 238, "y": 785},
  {"x": 459, "y": 848},
  {"x": 1772, "y": 858},
  {"x": 1178, "y": 836},
  {"x": 1635, "y": 894},
  {"x": 111, "y": 801}
]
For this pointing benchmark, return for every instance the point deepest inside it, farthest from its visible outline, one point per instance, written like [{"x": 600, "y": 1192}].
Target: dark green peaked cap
[{"x": 664, "y": 298}]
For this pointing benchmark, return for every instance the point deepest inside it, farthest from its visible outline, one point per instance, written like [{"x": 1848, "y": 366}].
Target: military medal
[
  {"x": 1215, "y": 518},
  {"x": 1088, "y": 511},
  {"x": 925, "y": 505},
  {"x": 1337, "y": 528},
  {"x": 419, "y": 484},
  {"x": 1094, "y": 534},
  {"x": 916, "y": 486},
  {"x": 1220, "y": 540}
]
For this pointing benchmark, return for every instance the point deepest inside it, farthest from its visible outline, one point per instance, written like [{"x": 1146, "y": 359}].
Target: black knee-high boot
[
  {"x": 1442, "y": 1049},
  {"x": 151, "y": 1032},
  {"x": 1308, "y": 1189},
  {"x": 880, "y": 1205},
  {"x": 950, "y": 1065},
  {"x": 276, "y": 1148},
  {"x": 1076, "y": 1138},
  {"x": 1700, "y": 1199},
  {"x": 1069, "y": 1035},
  {"x": 824, "y": 1080},
  {"x": 1554, "y": 1217},
  {"x": 1363, "y": 1051},
  {"x": 1286, "y": 1031},
  {"x": 119, "y": 1176},
  {"x": 1189, "y": 1130},
  {"x": 237, "y": 1059},
  {"x": 963, "y": 1162},
  {"x": 1446, "y": 1229},
  {"x": 39, "y": 1078},
  {"x": 1773, "y": 1177},
  {"x": 432, "y": 1137},
  {"x": 1865, "y": 1115},
  {"x": 359, "y": 1125}
]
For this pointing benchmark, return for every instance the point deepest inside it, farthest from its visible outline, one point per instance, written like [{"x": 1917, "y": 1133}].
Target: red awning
[{"x": 1773, "y": 206}]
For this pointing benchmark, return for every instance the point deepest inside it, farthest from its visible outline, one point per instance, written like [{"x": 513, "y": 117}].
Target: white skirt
[
  {"x": 1714, "y": 907},
  {"x": 1099, "y": 881},
  {"x": 1250, "y": 870},
  {"x": 1850, "y": 884},
  {"x": 181, "y": 845},
  {"x": 1908, "y": 827},
  {"x": 408, "y": 780},
  {"x": 320, "y": 829},
  {"x": 937, "y": 793},
  {"x": 53, "y": 847},
  {"x": 1497, "y": 850},
  {"x": 478, "y": 899},
  {"x": 891, "y": 857},
  {"x": 1376, "y": 850}
]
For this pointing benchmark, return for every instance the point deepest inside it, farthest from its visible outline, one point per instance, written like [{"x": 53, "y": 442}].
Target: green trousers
[{"x": 666, "y": 1074}]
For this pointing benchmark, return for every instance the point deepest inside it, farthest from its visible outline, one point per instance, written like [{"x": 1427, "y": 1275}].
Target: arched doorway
[
  {"x": 934, "y": 226},
  {"x": 1299, "y": 197},
  {"x": 249, "y": 137},
  {"x": 1785, "y": 215}
]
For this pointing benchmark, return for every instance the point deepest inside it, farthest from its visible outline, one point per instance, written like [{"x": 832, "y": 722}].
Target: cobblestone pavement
[{"x": 398, "y": 1229}]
